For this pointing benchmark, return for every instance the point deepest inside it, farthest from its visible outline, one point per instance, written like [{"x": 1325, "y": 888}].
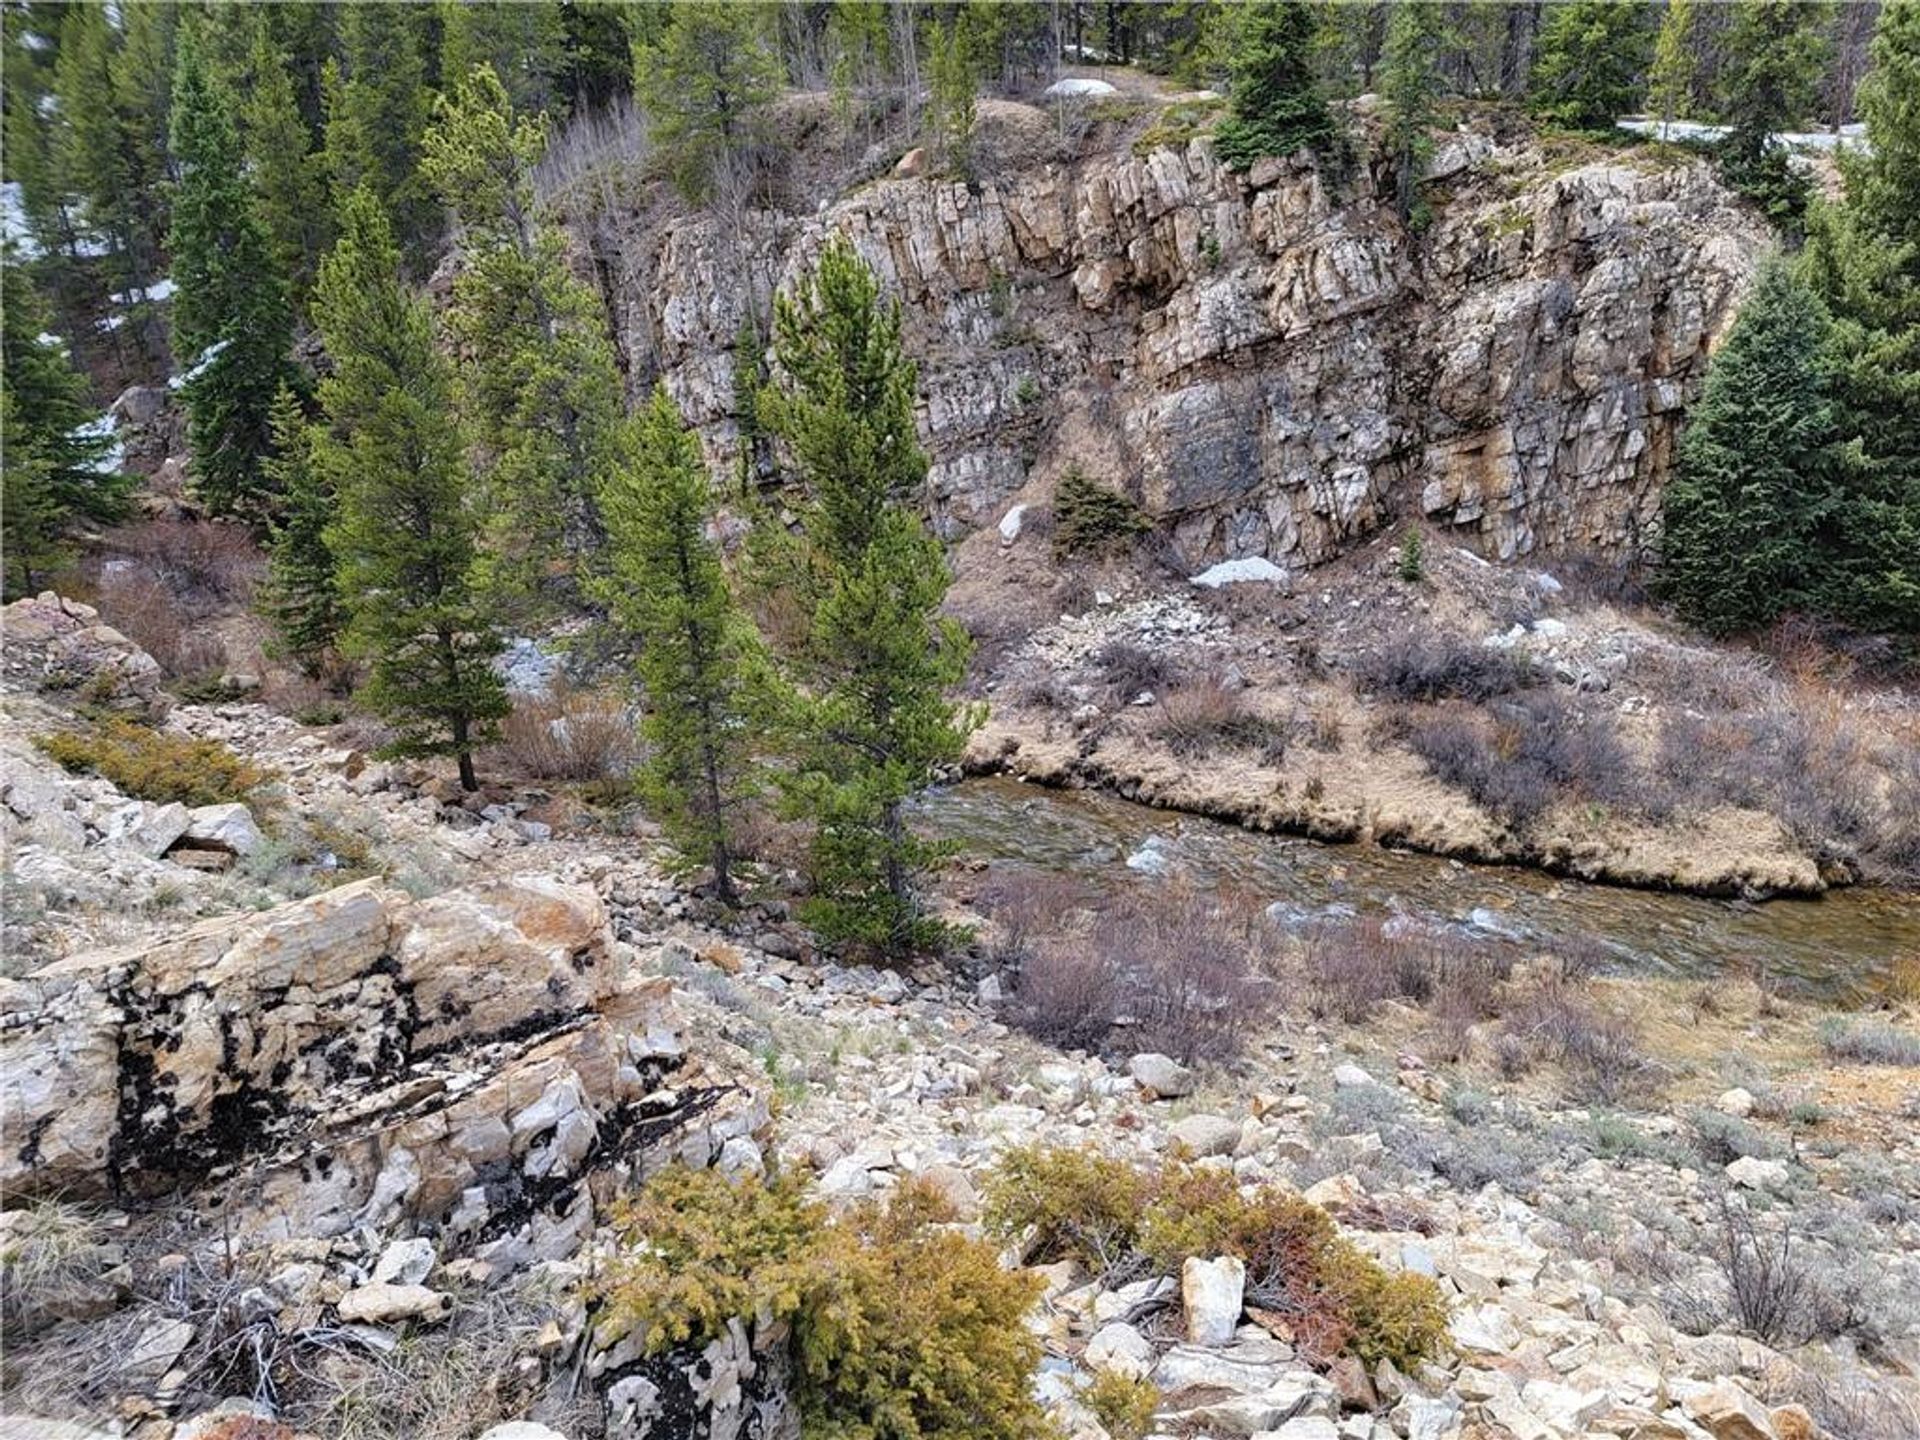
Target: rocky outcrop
[
  {"x": 60, "y": 646},
  {"x": 359, "y": 1057},
  {"x": 1273, "y": 363}
]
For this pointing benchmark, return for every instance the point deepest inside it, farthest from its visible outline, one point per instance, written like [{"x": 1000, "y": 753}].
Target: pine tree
[
  {"x": 377, "y": 107},
  {"x": 1748, "y": 517},
  {"x": 61, "y": 466},
  {"x": 289, "y": 174},
  {"x": 303, "y": 593},
  {"x": 1277, "y": 105},
  {"x": 877, "y": 658},
  {"x": 110, "y": 162},
  {"x": 231, "y": 324},
  {"x": 697, "y": 656},
  {"x": 1592, "y": 61},
  {"x": 539, "y": 389},
  {"x": 525, "y": 44},
  {"x": 1670, "y": 82},
  {"x": 403, "y": 536},
  {"x": 950, "y": 68},
  {"x": 1418, "y": 40},
  {"x": 701, "y": 82}
]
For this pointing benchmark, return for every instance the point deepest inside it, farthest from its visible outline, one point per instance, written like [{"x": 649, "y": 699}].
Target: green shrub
[
  {"x": 1091, "y": 519},
  {"x": 1081, "y": 1205},
  {"x": 1123, "y": 1404},
  {"x": 698, "y": 1251},
  {"x": 1109, "y": 1215},
  {"x": 153, "y": 765}
]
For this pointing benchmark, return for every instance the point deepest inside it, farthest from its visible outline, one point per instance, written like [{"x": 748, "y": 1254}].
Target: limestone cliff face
[{"x": 1272, "y": 363}]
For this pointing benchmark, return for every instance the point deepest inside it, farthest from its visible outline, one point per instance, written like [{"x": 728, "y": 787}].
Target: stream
[{"x": 1835, "y": 945}]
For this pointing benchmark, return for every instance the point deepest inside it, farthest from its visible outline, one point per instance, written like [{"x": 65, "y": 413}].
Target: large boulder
[{"x": 59, "y": 645}]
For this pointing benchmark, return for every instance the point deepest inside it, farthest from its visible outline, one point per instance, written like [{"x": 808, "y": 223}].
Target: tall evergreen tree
[
  {"x": 403, "y": 536},
  {"x": 697, "y": 656},
  {"x": 112, "y": 161},
  {"x": 377, "y": 107},
  {"x": 524, "y": 44},
  {"x": 1419, "y": 38},
  {"x": 539, "y": 388},
  {"x": 950, "y": 69},
  {"x": 289, "y": 174},
  {"x": 1277, "y": 105},
  {"x": 303, "y": 593},
  {"x": 1592, "y": 61},
  {"x": 701, "y": 83},
  {"x": 61, "y": 467},
  {"x": 878, "y": 658},
  {"x": 231, "y": 324},
  {"x": 1864, "y": 259},
  {"x": 1749, "y": 518}
]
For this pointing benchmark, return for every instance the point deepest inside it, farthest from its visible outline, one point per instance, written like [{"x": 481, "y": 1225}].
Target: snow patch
[
  {"x": 1010, "y": 524},
  {"x": 1253, "y": 569},
  {"x": 199, "y": 367},
  {"x": 1076, "y": 88},
  {"x": 158, "y": 291}
]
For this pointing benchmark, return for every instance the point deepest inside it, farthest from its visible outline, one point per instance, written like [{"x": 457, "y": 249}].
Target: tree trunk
[{"x": 463, "y": 749}]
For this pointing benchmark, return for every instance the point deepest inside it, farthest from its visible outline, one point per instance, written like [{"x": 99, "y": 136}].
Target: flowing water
[{"x": 1835, "y": 944}]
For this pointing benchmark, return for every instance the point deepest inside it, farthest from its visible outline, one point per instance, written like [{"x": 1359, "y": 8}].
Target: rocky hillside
[{"x": 1273, "y": 363}]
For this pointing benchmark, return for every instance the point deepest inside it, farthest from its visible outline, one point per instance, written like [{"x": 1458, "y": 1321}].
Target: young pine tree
[
  {"x": 231, "y": 325},
  {"x": 697, "y": 658},
  {"x": 61, "y": 471},
  {"x": 1749, "y": 514},
  {"x": 1670, "y": 82},
  {"x": 950, "y": 68},
  {"x": 538, "y": 387},
  {"x": 1591, "y": 61},
  {"x": 303, "y": 592},
  {"x": 1277, "y": 105},
  {"x": 403, "y": 537},
  {"x": 877, "y": 659}
]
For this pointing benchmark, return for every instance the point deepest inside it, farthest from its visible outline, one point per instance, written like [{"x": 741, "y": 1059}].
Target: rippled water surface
[{"x": 1835, "y": 943}]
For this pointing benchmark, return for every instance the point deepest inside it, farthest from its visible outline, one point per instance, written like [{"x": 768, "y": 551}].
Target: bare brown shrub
[
  {"x": 1130, "y": 669},
  {"x": 1027, "y": 904},
  {"x": 1177, "y": 971},
  {"x": 1206, "y": 715},
  {"x": 1598, "y": 1054},
  {"x": 1429, "y": 665},
  {"x": 570, "y": 735},
  {"x": 144, "y": 610},
  {"x": 1353, "y": 967}
]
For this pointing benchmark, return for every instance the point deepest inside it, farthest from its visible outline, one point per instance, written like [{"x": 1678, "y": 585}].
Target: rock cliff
[{"x": 1273, "y": 363}]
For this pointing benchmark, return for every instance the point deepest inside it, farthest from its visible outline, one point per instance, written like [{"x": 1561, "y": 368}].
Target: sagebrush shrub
[{"x": 1427, "y": 665}]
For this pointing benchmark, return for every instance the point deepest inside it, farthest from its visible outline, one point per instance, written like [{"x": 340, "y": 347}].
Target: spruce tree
[
  {"x": 877, "y": 659},
  {"x": 1749, "y": 515},
  {"x": 1277, "y": 105},
  {"x": 303, "y": 593},
  {"x": 231, "y": 325},
  {"x": 403, "y": 535},
  {"x": 539, "y": 389},
  {"x": 62, "y": 469},
  {"x": 697, "y": 656},
  {"x": 1418, "y": 40},
  {"x": 951, "y": 71},
  {"x": 1775, "y": 56},
  {"x": 701, "y": 82},
  {"x": 1591, "y": 61},
  {"x": 1863, "y": 257}
]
